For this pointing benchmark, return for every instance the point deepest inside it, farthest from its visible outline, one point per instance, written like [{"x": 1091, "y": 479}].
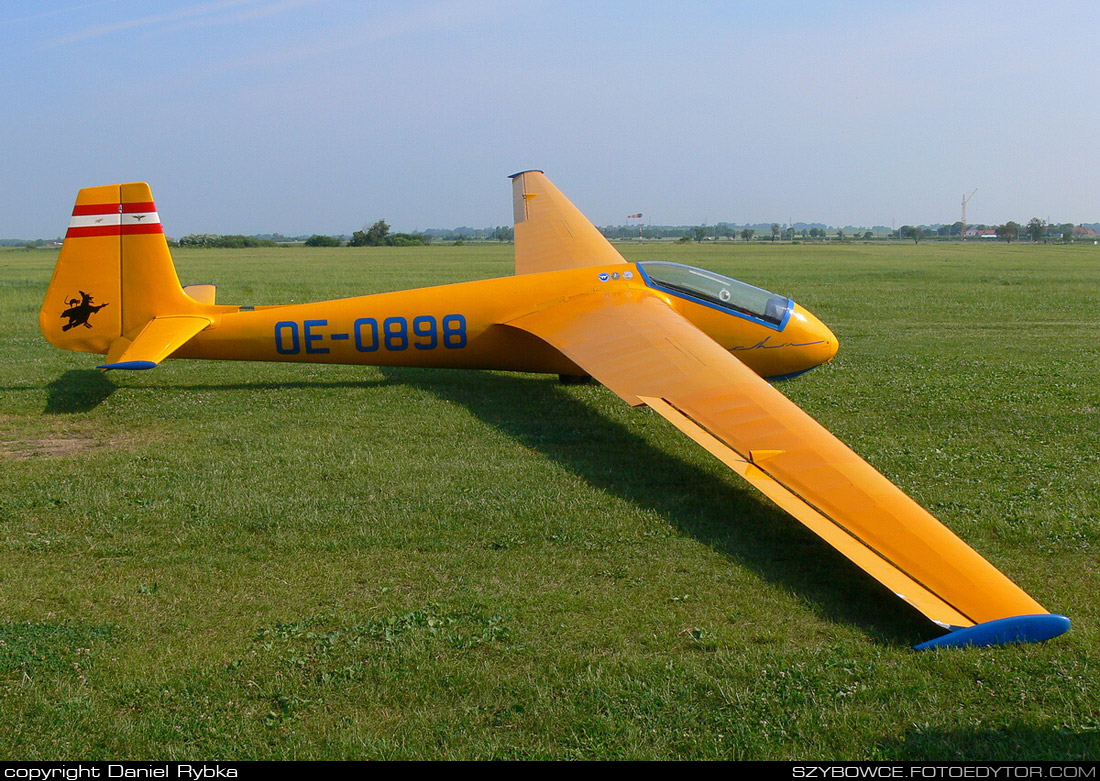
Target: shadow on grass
[
  {"x": 78, "y": 390},
  {"x": 1021, "y": 744},
  {"x": 705, "y": 505},
  {"x": 715, "y": 510},
  {"x": 274, "y": 386},
  {"x": 84, "y": 390}
]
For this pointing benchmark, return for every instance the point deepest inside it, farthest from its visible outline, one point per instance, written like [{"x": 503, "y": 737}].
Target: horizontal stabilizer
[{"x": 161, "y": 337}]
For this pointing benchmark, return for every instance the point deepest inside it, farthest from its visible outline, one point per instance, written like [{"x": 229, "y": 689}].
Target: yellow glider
[{"x": 695, "y": 346}]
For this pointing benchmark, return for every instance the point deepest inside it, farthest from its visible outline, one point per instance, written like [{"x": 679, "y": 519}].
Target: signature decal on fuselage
[{"x": 763, "y": 345}]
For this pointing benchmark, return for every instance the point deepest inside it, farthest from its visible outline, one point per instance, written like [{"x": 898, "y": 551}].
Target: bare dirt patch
[
  {"x": 54, "y": 446},
  {"x": 23, "y": 438}
]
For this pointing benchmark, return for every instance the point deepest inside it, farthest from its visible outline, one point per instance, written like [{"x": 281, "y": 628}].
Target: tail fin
[{"x": 114, "y": 274}]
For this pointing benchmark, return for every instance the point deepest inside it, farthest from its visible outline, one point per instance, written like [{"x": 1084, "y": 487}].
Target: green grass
[{"x": 246, "y": 560}]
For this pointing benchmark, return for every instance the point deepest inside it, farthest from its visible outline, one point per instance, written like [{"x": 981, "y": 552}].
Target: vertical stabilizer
[{"x": 114, "y": 273}]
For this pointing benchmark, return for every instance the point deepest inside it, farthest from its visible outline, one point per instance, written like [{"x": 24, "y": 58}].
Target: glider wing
[
  {"x": 647, "y": 353},
  {"x": 551, "y": 233}
]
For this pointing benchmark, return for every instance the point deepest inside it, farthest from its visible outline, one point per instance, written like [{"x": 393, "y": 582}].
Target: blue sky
[{"x": 302, "y": 116}]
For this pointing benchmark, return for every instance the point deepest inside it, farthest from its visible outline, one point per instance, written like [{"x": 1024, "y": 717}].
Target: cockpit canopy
[{"x": 712, "y": 289}]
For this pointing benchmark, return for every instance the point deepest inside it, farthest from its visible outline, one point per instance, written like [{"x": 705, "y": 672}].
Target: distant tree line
[
  {"x": 316, "y": 240},
  {"x": 1036, "y": 230},
  {"x": 28, "y": 243},
  {"x": 232, "y": 241},
  {"x": 377, "y": 235},
  {"x": 464, "y": 233}
]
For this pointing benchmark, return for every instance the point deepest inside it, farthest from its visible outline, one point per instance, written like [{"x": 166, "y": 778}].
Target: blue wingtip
[
  {"x": 128, "y": 365},
  {"x": 1015, "y": 629}
]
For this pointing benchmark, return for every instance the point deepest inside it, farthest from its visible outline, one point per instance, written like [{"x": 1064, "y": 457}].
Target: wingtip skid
[
  {"x": 1015, "y": 629},
  {"x": 128, "y": 365}
]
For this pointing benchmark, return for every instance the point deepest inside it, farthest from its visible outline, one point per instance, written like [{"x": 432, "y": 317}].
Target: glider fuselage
[{"x": 464, "y": 326}]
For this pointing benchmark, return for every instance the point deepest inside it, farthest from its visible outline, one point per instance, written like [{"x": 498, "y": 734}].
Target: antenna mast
[{"x": 966, "y": 200}]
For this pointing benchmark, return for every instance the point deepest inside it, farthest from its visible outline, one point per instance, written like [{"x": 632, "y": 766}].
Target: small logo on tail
[{"x": 79, "y": 311}]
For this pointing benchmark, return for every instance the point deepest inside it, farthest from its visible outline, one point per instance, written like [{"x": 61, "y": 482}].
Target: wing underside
[{"x": 647, "y": 353}]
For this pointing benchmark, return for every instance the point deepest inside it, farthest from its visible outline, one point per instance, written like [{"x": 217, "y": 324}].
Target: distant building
[{"x": 980, "y": 233}]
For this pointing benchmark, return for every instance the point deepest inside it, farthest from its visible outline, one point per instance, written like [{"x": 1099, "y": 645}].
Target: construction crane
[{"x": 966, "y": 200}]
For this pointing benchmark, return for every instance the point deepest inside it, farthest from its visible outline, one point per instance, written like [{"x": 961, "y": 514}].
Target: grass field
[{"x": 245, "y": 560}]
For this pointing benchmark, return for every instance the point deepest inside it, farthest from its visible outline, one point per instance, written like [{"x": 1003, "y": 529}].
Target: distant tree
[
  {"x": 840, "y": 234},
  {"x": 377, "y": 233},
  {"x": 912, "y": 232},
  {"x": 868, "y": 235},
  {"x": 700, "y": 232},
  {"x": 317, "y": 240},
  {"x": 1067, "y": 231},
  {"x": 503, "y": 233},
  {"x": 747, "y": 234},
  {"x": 775, "y": 230},
  {"x": 195, "y": 239},
  {"x": 1036, "y": 228},
  {"x": 374, "y": 236},
  {"x": 1009, "y": 231}
]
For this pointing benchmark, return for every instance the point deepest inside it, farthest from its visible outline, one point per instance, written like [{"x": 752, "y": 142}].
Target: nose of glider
[{"x": 815, "y": 342}]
